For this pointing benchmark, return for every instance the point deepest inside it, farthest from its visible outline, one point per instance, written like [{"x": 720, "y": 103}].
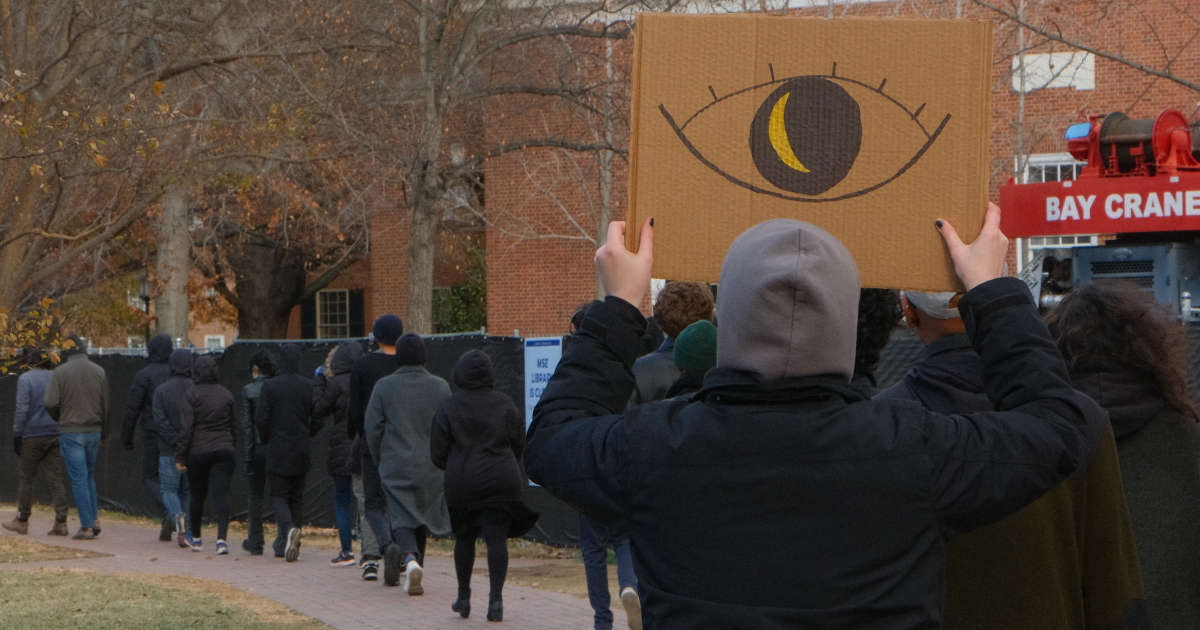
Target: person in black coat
[
  {"x": 478, "y": 437},
  {"x": 262, "y": 367},
  {"x": 139, "y": 408},
  {"x": 168, "y": 402},
  {"x": 780, "y": 496},
  {"x": 286, "y": 426},
  {"x": 331, "y": 396},
  {"x": 204, "y": 450}
]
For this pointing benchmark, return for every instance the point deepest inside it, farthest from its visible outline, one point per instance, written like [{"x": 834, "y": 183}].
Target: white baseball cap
[{"x": 936, "y": 305}]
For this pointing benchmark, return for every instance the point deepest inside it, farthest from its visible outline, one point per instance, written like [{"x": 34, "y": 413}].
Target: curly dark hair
[
  {"x": 681, "y": 304},
  {"x": 1113, "y": 324},
  {"x": 879, "y": 314},
  {"x": 265, "y": 363}
]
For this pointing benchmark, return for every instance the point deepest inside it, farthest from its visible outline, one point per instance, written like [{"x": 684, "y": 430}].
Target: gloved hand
[{"x": 17, "y": 445}]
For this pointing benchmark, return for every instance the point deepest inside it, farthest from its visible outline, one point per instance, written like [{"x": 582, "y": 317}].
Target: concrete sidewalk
[{"x": 336, "y": 595}]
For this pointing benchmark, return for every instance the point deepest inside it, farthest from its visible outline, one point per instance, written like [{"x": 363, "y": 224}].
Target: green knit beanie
[{"x": 696, "y": 347}]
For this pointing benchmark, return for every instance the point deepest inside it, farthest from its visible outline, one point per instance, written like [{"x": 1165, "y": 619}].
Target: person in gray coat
[
  {"x": 77, "y": 399},
  {"x": 398, "y": 423},
  {"x": 1131, "y": 355}
]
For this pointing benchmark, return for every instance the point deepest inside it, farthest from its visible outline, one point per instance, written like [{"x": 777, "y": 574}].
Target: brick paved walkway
[{"x": 335, "y": 595}]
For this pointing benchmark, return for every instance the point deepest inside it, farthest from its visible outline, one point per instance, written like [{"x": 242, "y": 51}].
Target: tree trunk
[
  {"x": 173, "y": 265},
  {"x": 270, "y": 282},
  {"x": 421, "y": 242}
]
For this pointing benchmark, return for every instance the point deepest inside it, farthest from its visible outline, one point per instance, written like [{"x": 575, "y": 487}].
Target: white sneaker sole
[
  {"x": 633, "y": 608},
  {"x": 292, "y": 553},
  {"x": 412, "y": 581}
]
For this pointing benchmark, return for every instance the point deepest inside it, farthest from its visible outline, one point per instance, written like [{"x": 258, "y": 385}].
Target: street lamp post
[{"x": 144, "y": 293}]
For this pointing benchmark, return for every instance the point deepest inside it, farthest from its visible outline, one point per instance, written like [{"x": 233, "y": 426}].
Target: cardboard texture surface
[{"x": 868, "y": 128}]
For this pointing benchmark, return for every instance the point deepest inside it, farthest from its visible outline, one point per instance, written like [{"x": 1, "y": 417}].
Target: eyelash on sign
[{"x": 806, "y": 135}]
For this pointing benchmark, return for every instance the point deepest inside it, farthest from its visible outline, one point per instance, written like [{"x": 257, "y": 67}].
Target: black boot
[
  {"x": 462, "y": 606},
  {"x": 495, "y": 608},
  {"x": 168, "y": 527}
]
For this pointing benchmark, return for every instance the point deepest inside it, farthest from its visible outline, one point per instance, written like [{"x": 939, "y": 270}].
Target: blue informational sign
[{"x": 541, "y": 358}]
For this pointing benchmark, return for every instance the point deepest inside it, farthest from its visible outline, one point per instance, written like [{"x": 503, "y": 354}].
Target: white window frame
[
  {"x": 324, "y": 329},
  {"x": 210, "y": 346},
  {"x": 1027, "y": 248}
]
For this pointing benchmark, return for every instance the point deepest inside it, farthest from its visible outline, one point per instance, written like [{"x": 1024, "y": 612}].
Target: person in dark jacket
[
  {"x": 77, "y": 399},
  {"x": 331, "y": 394},
  {"x": 168, "y": 401},
  {"x": 1040, "y": 567},
  {"x": 262, "y": 367},
  {"x": 139, "y": 409},
  {"x": 695, "y": 354},
  {"x": 36, "y": 440},
  {"x": 478, "y": 437},
  {"x": 286, "y": 426},
  {"x": 399, "y": 420},
  {"x": 677, "y": 306},
  {"x": 207, "y": 436},
  {"x": 364, "y": 374},
  {"x": 848, "y": 502},
  {"x": 1132, "y": 355},
  {"x": 878, "y": 317}
]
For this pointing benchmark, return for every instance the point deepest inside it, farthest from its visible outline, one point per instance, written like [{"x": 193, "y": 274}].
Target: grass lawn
[
  {"x": 20, "y": 549},
  {"x": 58, "y": 598}
]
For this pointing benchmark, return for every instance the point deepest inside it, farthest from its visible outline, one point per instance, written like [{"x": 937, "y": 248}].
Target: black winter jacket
[
  {"x": 285, "y": 416},
  {"x": 478, "y": 437},
  {"x": 139, "y": 404},
  {"x": 331, "y": 396},
  {"x": 251, "y": 443},
  {"x": 169, "y": 399},
  {"x": 363, "y": 375},
  {"x": 208, "y": 418},
  {"x": 848, "y": 503}
]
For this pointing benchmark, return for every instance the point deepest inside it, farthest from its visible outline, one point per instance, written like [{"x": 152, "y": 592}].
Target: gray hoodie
[{"x": 788, "y": 303}]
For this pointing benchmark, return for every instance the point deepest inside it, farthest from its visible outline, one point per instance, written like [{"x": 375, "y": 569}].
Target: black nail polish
[
  {"x": 651, "y": 221},
  {"x": 938, "y": 223}
]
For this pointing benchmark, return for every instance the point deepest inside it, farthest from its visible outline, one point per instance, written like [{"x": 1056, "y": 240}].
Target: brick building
[{"x": 544, "y": 206}]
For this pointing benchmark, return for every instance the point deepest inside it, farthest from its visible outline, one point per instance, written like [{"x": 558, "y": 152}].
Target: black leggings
[
  {"x": 217, "y": 467},
  {"x": 492, "y": 524}
]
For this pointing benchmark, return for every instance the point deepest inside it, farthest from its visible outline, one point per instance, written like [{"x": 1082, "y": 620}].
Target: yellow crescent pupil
[{"x": 779, "y": 139}]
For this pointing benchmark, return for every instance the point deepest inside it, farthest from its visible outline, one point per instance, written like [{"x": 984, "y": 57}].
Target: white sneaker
[
  {"x": 292, "y": 551},
  {"x": 633, "y": 607},
  {"x": 412, "y": 578}
]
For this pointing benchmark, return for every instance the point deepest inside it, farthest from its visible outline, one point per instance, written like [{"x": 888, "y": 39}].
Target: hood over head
[
  {"x": 474, "y": 371},
  {"x": 410, "y": 350},
  {"x": 159, "y": 348},
  {"x": 347, "y": 353},
  {"x": 788, "y": 303},
  {"x": 289, "y": 359},
  {"x": 181, "y": 363},
  {"x": 204, "y": 369}
]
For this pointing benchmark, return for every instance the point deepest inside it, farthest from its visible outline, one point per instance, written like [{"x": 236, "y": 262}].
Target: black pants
[
  {"x": 374, "y": 502},
  {"x": 493, "y": 526},
  {"x": 412, "y": 541},
  {"x": 215, "y": 467},
  {"x": 287, "y": 496},
  {"x": 150, "y": 471},
  {"x": 256, "y": 485}
]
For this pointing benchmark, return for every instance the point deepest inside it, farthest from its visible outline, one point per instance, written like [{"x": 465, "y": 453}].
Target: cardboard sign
[
  {"x": 868, "y": 128},
  {"x": 1101, "y": 205}
]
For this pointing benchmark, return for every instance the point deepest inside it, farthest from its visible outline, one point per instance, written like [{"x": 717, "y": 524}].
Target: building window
[
  {"x": 1054, "y": 70},
  {"x": 214, "y": 343},
  {"x": 333, "y": 314},
  {"x": 1051, "y": 167}
]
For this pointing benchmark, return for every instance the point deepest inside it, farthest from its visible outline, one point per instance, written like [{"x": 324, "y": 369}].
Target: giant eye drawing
[{"x": 813, "y": 138}]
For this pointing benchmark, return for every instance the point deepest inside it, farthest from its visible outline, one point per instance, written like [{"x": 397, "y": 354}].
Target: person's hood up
[
  {"x": 347, "y": 353},
  {"x": 289, "y": 359},
  {"x": 1131, "y": 399},
  {"x": 159, "y": 348},
  {"x": 181, "y": 363},
  {"x": 204, "y": 370},
  {"x": 788, "y": 303},
  {"x": 474, "y": 371}
]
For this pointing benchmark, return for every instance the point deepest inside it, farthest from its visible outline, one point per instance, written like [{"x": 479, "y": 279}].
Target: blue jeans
[
  {"x": 343, "y": 509},
  {"x": 594, "y": 541},
  {"x": 176, "y": 491},
  {"x": 79, "y": 451}
]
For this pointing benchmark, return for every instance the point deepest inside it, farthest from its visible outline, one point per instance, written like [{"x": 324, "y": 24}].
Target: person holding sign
[{"x": 780, "y": 497}]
